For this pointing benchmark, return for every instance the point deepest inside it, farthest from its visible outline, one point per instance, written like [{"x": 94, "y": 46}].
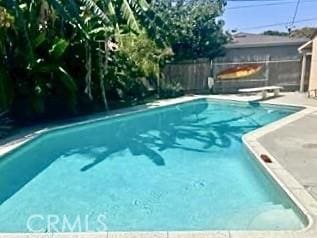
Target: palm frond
[
  {"x": 129, "y": 15},
  {"x": 111, "y": 10},
  {"x": 143, "y": 5},
  {"x": 95, "y": 9}
]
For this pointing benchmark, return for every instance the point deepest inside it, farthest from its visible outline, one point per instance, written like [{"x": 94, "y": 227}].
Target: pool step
[
  {"x": 268, "y": 217},
  {"x": 275, "y": 219}
]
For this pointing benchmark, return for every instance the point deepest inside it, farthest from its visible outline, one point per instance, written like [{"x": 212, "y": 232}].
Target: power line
[
  {"x": 295, "y": 13},
  {"x": 256, "y": 0},
  {"x": 289, "y": 24},
  {"x": 277, "y": 24},
  {"x": 268, "y": 4}
]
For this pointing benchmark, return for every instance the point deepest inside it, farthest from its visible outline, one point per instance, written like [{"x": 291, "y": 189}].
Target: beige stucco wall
[{"x": 313, "y": 68}]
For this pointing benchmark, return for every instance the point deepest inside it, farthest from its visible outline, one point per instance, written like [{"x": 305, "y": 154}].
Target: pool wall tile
[
  {"x": 199, "y": 234},
  {"x": 81, "y": 235},
  {"x": 137, "y": 234},
  {"x": 26, "y": 235},
  {"x": 261, "y": 234}
]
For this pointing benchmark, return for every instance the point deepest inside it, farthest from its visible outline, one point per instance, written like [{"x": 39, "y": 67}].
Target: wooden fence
[
  {"x": 285, "y": 73},
  {"x": 192, "y": 75}
]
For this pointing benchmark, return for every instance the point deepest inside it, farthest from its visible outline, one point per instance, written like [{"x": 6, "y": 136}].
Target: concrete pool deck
[
  {"x": 294, "y": 145},
  {"x": 292, "y": 157},
  {"x": 291, "y": 143}
]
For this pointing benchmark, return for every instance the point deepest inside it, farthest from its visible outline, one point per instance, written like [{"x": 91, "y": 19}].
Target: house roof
[
  {"x": 241, "y": 40},
  {"x": 314, "y": 35},
  {"x": 307, "y": 47}
]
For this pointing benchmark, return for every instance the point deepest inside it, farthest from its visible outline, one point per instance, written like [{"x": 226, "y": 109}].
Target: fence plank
[
  {"x": 192, "y": 75},
  {"x": 285, "y": 73}
]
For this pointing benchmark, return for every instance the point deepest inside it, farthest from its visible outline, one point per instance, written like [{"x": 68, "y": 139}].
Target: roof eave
[
  {"x": 233, "y": 45},
  {"x": 304, "y": 47}
]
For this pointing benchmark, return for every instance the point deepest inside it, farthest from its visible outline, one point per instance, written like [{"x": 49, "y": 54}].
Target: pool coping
[{"x": 297, "y": 193}]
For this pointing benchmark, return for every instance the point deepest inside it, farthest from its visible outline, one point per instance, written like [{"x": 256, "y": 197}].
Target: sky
[{"x": 249, "y": 15}]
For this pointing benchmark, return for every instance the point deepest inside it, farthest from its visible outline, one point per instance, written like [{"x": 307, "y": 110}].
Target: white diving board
[{"x": 276, "y": 90}]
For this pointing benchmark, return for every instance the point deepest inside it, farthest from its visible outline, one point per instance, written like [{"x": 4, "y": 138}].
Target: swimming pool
[{"x": 181, "y": 167}]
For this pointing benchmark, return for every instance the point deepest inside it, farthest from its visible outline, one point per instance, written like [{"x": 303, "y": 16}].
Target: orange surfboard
[{"x": 239, "y": 71}]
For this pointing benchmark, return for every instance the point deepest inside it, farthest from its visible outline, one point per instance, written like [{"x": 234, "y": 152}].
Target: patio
[{"x": 295, "y": 144}]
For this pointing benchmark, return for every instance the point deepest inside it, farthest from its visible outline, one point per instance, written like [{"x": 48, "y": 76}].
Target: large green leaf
[
  {"x": 39, "y": 39},
  {"x": 59, "y": 48},
  {"x": 100, "y": 30},
  {"x": 61, "y": 74},
  {"x": 96, "y": 10},
  {"x": 143, "y": 4},
  {"x": 67, "y": 80},
  {"x": 70, "y": 86},
  {"x": 129, "y": 15}
]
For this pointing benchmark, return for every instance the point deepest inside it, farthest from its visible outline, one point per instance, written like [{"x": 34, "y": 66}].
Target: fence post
[
  {"x": 302, "y": 77},
  {"x": 267, "y": 70}
]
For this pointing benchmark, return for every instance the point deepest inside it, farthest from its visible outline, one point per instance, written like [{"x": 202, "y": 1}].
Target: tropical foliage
[
  {"x": 275, "y": 33},
  {"x": 62, "y": 57},
  {"x": 305, "y": 32},
  {"x": 195, "y": 30}
]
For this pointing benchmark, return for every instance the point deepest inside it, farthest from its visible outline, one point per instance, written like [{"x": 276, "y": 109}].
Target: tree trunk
[
  {"x": 103, "y": 67},
  {"x": 88, "y": 70}
]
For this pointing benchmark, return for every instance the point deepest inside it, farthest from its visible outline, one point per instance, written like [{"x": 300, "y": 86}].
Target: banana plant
[
  {"x": 33, "y": 59},
  {"x": 35, "y": 47},
  {"x": 114, "y": 14}
]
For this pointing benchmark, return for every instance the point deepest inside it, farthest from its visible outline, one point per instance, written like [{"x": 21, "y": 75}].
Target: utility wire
[
  {"x": 277, "y": 24},
  {"x": 268, "y": 4},
  {"x": 272, "y": 3},
  {"x": 256, "y": 0},
  {"x": 295, "y": 13}
]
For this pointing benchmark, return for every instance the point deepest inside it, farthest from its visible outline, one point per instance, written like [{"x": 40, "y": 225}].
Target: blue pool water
[{"x": 181, "y": 167}]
